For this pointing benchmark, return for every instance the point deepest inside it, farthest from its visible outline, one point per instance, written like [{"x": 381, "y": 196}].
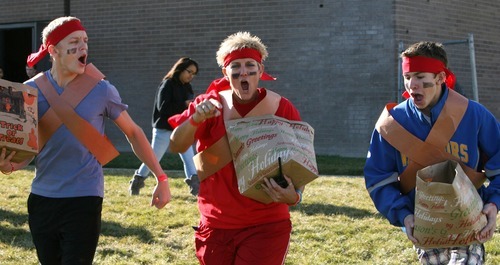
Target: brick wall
[
  {"x": 322, "y": 53},
  {"x": 335, "y": 60},
  {"x": 30, "y": 11}
]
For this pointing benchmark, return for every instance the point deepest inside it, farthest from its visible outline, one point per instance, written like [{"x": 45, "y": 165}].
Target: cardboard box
[
  {"x": 18, "y": 119},
  {"x": 257, "y": 142},
  {"x": 448, "y": 209}
]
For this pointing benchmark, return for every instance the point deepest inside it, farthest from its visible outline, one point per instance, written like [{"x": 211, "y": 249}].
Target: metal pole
[
  {"x": 67, "y": 7},
  {"x": 473, "y": 68},
  {"x": 400, "y": 73}
]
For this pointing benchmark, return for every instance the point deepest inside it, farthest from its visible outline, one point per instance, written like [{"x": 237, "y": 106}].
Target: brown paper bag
[
  {"x": 18, "y": 119},
  {"x": 447, "y": 207},
  {"x": 256, "y": 143}
]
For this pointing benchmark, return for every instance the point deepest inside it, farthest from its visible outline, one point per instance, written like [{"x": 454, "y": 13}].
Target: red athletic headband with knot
[
  {"x": 54, "y": 38},
  {"x": 222, "y": 83},
  {"x": 247, "y": 53},
  {"x": 243, "y": 53},
  {"x": 427, "y": 65}
]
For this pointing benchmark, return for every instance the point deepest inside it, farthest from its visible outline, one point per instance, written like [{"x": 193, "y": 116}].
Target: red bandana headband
[
  {"x": 428, "y": 65},
  {"x": 222, "y": 83},
  {"x": 54, "y": 38},
  {"x": 247, "y": 53},
  {"x": 243, "y": 53}
]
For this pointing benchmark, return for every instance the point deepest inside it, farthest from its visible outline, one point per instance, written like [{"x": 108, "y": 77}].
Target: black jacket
[{"x": 170, "y": 99}]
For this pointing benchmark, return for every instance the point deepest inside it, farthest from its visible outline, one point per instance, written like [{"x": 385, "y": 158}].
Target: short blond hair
[
  {"x": 53, "y": 25},
  {"x": 238, "y": 41}
]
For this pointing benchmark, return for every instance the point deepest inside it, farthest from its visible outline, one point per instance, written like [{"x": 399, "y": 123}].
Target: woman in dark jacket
[{"x": 173, "y": 96}]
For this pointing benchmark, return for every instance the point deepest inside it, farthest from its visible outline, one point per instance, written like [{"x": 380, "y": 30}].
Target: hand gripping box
[
  {"x": 18, "y": 119},
  {"x": 256, "y": 143}
]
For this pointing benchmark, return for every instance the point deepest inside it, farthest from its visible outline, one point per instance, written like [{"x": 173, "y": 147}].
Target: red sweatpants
[{"x": 265, "y": 244}]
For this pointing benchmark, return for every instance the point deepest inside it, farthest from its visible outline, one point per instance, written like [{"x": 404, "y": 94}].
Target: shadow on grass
[
  {"x": 16, "y": 219},
  {"x": 14, "y": 234},
  {"x": 330, "y": 209},
  {"x": 17, "y": 236},
  {"x": 114, "y": 229}
]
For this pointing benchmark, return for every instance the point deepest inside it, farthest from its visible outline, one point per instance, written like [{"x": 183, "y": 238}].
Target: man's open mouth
[
  {"x": 417, "y": 97},
  {"x": 244, "y": 85},
  {"x": 83, "y": 59}
]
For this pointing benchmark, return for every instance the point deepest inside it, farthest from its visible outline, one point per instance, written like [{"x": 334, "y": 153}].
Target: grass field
[
  {"x": 335, "y": 224},
  {"x": 327, "y": 165}
]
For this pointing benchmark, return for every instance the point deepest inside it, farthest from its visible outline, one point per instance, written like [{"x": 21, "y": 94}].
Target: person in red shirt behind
[{"x": 235, "y": 229}]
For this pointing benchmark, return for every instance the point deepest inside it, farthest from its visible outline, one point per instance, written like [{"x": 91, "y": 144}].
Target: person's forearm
[
  {"x": 182, "y": 137},
  {"x": 142, "y": 149},
  {"x": 492, "y": 194}
]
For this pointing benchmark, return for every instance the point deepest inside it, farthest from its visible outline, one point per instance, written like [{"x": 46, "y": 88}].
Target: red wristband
[
  {"x": 195, "y": 124},
  {"x": 11, "y": 170},
  {"x": 162, "y": 177}
]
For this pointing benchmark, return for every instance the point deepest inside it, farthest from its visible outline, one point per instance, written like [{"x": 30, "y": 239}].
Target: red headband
[
  {"x": 247, "y": 53},
  {"x": 243, "y": 53},
  {"x": 54, "y": 38},
  {"x": 428, "y": 65}
]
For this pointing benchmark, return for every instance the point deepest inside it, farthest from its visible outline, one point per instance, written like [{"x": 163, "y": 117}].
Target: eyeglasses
[{"x": 190, "y": 72}]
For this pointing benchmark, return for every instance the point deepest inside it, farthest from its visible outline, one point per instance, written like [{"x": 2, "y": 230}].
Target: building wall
[{"x": 335, "y": 60}]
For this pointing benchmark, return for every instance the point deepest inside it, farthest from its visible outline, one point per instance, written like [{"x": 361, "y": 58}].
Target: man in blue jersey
[{"x": 474, "y": 142}]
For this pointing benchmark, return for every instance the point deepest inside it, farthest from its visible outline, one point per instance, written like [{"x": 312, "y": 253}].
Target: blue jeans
[{"x": 160, "y": 142}]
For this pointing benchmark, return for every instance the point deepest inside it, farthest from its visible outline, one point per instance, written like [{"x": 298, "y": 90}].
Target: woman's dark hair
[{"x": 181, "y": 65}]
